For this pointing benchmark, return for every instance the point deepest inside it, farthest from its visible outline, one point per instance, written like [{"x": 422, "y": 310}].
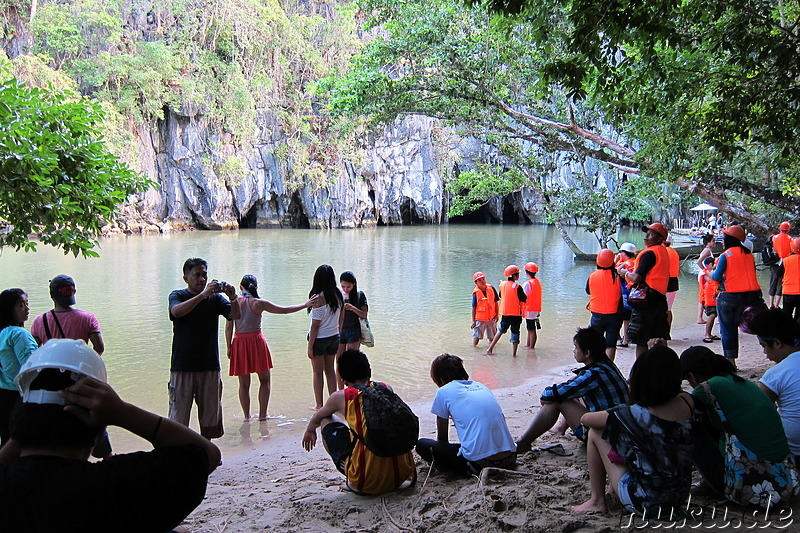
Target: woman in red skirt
[{"x": 247, "y": 348}]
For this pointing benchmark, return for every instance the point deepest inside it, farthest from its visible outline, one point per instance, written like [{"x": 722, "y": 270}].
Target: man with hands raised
[{"x": 46, "y": 480}]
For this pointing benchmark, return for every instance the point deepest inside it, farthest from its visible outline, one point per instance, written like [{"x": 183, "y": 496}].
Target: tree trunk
[{"x": 567, "y": 239}]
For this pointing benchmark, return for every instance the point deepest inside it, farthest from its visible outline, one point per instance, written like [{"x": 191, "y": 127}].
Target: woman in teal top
[
  {"x": 16, "y": 345},
  {"x": 740, "y": 448}
]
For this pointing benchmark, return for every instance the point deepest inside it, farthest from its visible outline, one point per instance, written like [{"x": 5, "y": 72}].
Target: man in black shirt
[
  {"x": 46, "y": 481},
  {"x": 194, "y": 370}
]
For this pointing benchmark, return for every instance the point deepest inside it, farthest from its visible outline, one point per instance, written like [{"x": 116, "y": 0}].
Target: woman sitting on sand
[
  {"x": 479, "y": 421},
  {"x": 644, "y": 448},
  {"x": 740, "y": 447}
]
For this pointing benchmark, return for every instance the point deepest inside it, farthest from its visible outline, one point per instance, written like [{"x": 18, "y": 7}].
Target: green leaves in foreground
[{"x": 58, "y": 182}]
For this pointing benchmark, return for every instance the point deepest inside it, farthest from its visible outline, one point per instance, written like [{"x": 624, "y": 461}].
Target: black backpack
[
  {"x": 768, "y": 254},
  {"x": 392, "y": 427}
]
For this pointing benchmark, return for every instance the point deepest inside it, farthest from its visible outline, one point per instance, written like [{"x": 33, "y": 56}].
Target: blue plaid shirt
[{"x": 600, "y": 385}]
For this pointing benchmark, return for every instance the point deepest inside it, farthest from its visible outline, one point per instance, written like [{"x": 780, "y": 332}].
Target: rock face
[{"x": 397, "y": 182}]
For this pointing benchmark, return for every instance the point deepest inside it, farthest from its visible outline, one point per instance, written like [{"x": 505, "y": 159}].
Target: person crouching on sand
[
  {"x": 599, "y": 383},
  {"x": 345, "y": 441}
]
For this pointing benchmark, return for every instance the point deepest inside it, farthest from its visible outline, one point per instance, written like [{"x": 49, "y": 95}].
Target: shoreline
[{"x": 279, "y": 485}]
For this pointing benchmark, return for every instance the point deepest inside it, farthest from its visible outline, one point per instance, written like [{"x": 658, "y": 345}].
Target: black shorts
[
  {"x": 650, "y": 322},
  {"x": 510, "y": 321},
  {"x": 339, "y": 443},
  {"x": 326, "y": 345},
  {"x": 776, "y": 280},
  {"x": 532, "y": 324}
]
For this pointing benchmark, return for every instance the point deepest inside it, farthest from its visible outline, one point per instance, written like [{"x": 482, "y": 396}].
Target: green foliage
[
  {"x": 233, "y": 170},
  {"x": 59, "y": 182},
  {"x": 471, "y": 189}
]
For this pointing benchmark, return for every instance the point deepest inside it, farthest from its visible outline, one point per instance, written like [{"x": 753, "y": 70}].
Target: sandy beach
[{"x": 277, "y": 485}]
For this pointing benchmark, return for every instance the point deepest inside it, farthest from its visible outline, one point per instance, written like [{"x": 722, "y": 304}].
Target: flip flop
[
  {"x": 708, "y": 339},
  {"x": 555, "y": 449}
]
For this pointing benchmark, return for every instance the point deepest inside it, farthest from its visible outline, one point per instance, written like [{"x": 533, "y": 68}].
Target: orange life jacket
[
  {"x": 365, "y": 471},
  {"x": 658, "y": 276},
  {"x": 701, "y": 285},
  {"x": 485, "y": 303},
  {"x": 791, "y": 274},
  {"x": 509, "y": 299},
  {"x": 534, "y": 301},
  {"x": 782, "y": 244},
  {"x": 604, "y": 292},
  {"x": 674, "y": 262},
  {"x": 710, "y": 292},
  {"x": 740, "y": 271}
]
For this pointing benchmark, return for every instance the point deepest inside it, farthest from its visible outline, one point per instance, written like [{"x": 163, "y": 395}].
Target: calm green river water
[{"x": 418, "y": 281}]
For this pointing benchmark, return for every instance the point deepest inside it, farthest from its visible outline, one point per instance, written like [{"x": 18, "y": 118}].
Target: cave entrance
[
  {"x": 510, "y": 214},
  {"x": 407, "y": 213},
  {"x": 250, "y": 219},
  {"x": 297, "y": 217},
  {"x": 482, "y": 215}
]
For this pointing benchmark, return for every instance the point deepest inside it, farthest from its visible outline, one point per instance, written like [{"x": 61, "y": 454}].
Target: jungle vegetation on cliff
[{"x": 672, "y": 98}]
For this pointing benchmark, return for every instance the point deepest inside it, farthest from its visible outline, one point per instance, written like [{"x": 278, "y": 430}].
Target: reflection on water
[{"x": 418, "y": 281}]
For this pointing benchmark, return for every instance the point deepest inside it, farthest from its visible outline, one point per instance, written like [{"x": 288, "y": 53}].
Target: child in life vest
[
  {"x": 533, "y": 304},
  {"x": 710, "y": 288},
  {"x": 484, "y": 309},
  {"x": 512, "y": 302}
]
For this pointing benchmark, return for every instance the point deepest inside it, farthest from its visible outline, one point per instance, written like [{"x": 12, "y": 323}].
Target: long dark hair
[
  {"x": 655, "y": 377},
  {"x": 9, "y": 299},
  {"x": 705, "y": 364},
  {"x": 325, "y": 284},
  {"x": 250, "y": 284},
  {"x": 349, "y": 277}
]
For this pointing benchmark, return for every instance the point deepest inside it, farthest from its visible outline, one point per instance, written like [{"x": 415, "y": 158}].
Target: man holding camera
[{"x": 194, "y": 370}]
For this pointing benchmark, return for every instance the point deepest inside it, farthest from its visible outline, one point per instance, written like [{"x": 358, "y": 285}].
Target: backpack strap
[{"x": 60, "y": 330}]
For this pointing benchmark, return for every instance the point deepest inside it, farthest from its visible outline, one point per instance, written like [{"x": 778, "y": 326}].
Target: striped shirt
[{"x": 600, "y": 385}]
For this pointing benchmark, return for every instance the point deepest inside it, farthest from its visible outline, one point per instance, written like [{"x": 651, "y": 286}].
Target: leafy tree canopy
[
  {"x": 59, "y": 182},
  {"x": 547, "y": 78}
]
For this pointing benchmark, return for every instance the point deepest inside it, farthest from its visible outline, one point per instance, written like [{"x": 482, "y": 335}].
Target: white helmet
[
  {"x": 66, "y": 355},
  {"x": 628, "y": 247}
]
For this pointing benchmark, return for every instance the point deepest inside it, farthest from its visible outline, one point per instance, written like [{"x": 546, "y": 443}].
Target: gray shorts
[
  {"x": 202, "y": 388},
  {"x": 488, "y": 326}
]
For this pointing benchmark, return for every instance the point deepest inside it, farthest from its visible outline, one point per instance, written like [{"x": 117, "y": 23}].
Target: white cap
[
  {"x": 628, "y": 247},
  {"x": 66, "y": 355}
]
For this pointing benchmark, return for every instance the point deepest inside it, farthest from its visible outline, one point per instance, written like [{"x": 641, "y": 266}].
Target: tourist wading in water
[
  {"x": 323, "y": 333},
  {"x": 247, "y": 348}
]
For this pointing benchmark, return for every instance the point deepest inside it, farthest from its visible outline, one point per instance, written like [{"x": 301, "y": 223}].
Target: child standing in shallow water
[
  {"x": 484, "y": 309},
  {"x": 247, "y": 348}
]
